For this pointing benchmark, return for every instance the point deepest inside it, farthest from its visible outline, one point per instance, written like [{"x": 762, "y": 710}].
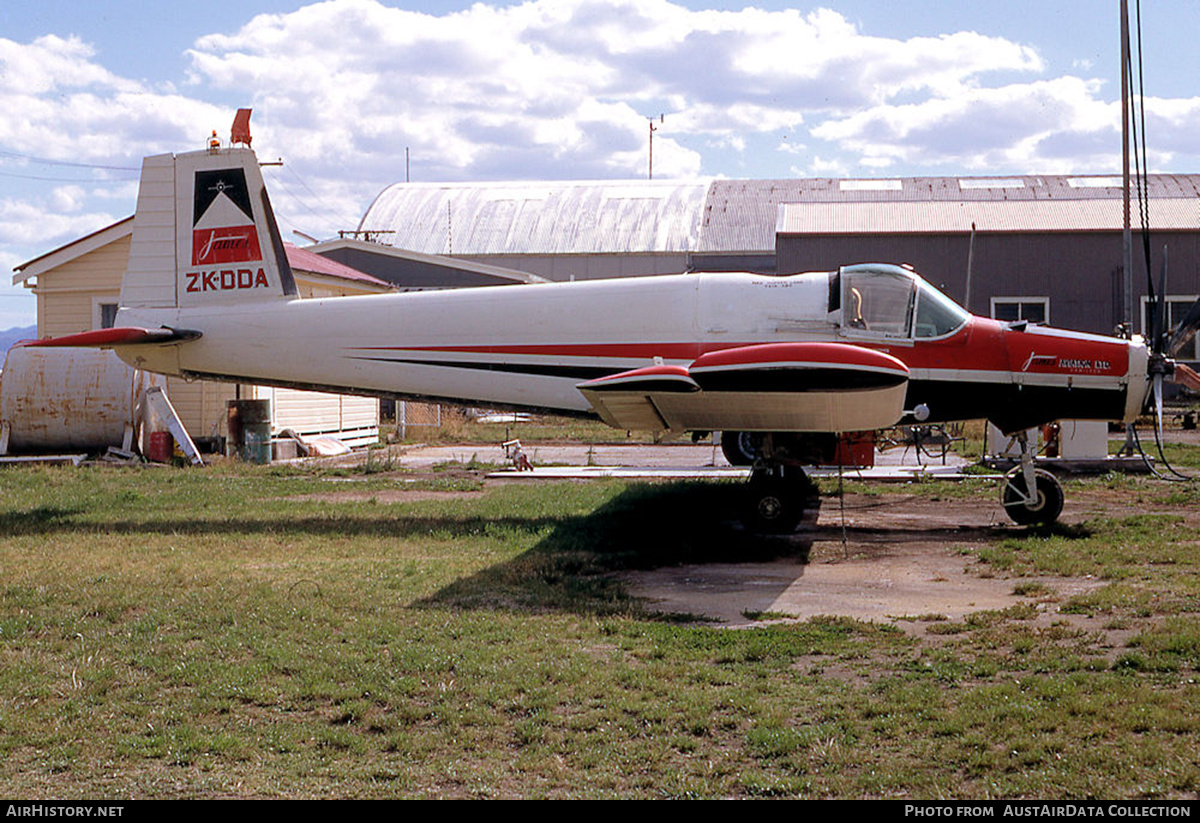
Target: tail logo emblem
[
  {"x": 229, "y": 244},
  {"x": 223, "y": 229}
]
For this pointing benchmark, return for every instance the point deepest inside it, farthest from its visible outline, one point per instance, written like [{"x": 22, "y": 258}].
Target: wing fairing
[{"x": 768, "y": 387}]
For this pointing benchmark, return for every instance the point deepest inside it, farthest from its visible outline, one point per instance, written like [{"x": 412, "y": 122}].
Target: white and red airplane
[{"x": 797, "y": 360}]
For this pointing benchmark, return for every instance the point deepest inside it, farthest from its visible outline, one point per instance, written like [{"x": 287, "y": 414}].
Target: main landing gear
[
  {"x": 777, "y": 497},
  {"x": 1031, "y": 496},
  {"x": 779, "y": 492}
]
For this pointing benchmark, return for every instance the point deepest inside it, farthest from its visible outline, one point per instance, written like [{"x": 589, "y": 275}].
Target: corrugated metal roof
[
  {"x": 740, "y": 216},
  {"x": 1166, "y": 214},
  {"x": 540, "y": 218}
]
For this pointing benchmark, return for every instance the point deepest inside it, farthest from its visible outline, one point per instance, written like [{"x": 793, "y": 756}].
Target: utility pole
[
  {"x": 653, "y": 129},
  {"x": 1126, "y": 234}
]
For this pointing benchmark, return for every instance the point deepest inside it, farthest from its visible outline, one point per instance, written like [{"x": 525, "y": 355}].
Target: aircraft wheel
[
  {"x": 776, "y": 503},
  {"x": 740, "y": 448},
  {"x": 1044, "y": 510}
]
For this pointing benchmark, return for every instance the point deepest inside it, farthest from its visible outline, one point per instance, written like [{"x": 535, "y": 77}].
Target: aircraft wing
[
  {"x": 121, "y": 336},
  {"x": 626, "y": 400},
  {"x": 768, "y": 387}
]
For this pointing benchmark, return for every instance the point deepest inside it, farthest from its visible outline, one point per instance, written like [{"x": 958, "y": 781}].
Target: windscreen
[{"x": 937, "y": 314}]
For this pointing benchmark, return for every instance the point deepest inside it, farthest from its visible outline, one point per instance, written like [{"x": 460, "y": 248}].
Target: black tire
[
  {"x": 776, "y": 502},
  {"x": 1049, "y": 502},
  {"x": 741, "y": 448}
]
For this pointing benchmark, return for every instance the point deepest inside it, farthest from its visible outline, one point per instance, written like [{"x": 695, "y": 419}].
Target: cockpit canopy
[{"x": 882, "y": 300}]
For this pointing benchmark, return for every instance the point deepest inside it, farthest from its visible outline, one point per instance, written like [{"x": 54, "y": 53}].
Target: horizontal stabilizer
[{"x": 124, "y": 336}]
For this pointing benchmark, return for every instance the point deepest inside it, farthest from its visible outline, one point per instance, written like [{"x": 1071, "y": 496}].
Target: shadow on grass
[
  {"x": 49, "y": 520},
  {"x": 576, "y": 563},
  {"x": 572, "y": 566},
  {"x": 1067, "y": 531},
  {"x": 38, "y": 520},
  {"x": 642, "y": 527},
  {"x": 576, "y": 566}
]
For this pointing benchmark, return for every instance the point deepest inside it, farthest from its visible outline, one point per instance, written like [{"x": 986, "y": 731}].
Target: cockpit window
[
  {"x": 878, "y": 301},
  {"x": 937, "y": 314}
]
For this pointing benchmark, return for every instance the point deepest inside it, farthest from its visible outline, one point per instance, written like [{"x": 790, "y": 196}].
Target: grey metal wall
[
  {"x": 407, "y": 273},
  {"x": 1080, "y": 273}
]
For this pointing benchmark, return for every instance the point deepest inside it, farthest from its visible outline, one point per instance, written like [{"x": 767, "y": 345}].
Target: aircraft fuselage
[{"x": 530, "y": 346}]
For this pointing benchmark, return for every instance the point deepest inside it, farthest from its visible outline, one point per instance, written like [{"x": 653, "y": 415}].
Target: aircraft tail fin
[{"x": 204, "y": 234}]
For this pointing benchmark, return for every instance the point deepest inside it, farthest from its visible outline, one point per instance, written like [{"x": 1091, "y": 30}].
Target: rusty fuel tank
[{"x": 74, "y": 399}]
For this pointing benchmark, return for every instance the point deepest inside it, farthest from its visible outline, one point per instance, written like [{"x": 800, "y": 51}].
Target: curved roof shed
[{"x": 560, "y": 218}]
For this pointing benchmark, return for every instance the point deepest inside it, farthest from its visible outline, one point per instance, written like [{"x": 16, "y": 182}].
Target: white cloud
[
  {"x": 555, "y": 89},
  {"x": 39, "y": 224},
  {"x": 1047, "y": 126},
  {"x": 71, "y": 108},
  {"x": 560, "y": 88},
  {"x": 821, "y": 167},
  {"x": 52, "y": 63},
  {"x": 67, "y": 198},
  {"x": 563, "y": 88}
]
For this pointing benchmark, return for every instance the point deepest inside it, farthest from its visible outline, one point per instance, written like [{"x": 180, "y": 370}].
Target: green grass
[{"x": 233, "y": 632}]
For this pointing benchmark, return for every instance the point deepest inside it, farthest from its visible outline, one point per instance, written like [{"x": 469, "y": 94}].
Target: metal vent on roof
[
  {"x": 1095, "y": 182},
  {"x": 991, "y": 183},
  {"x": 870, "y": 185}
]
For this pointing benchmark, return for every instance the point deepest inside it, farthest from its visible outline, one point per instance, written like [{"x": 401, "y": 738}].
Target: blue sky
[{"x": 561, "y": 89}]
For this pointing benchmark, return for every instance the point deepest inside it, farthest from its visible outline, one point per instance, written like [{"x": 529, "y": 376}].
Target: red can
[{"x": 162, "y": 447}]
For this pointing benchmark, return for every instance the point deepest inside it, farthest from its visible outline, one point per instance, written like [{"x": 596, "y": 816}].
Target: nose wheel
[
  {"x": 1031, "y": 496},
  {"x": 1038, "y": 509}
]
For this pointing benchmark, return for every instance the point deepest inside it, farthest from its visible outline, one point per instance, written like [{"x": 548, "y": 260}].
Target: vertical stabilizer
[{"x": 204, "y": 234}]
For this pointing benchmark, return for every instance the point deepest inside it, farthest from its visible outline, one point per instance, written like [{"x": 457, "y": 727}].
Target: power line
[
  {"x": 48, "y": 162},
  {"x": 325, "y": 215},
  {"x": 64, "y": 179}
]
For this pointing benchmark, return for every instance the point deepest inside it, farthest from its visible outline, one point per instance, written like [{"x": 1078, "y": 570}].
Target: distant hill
[{"x": 10, "y": 336}]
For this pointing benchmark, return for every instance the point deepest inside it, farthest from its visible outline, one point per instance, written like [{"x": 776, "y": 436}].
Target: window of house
[
  {"x": 1012, "y": 309},
  {"x": 104, "y": 312}
]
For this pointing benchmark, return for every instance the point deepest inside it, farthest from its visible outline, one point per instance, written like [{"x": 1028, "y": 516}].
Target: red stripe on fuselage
[
  {"x": 939, "y": 354},
  {"x": 982, "y": 345}
]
